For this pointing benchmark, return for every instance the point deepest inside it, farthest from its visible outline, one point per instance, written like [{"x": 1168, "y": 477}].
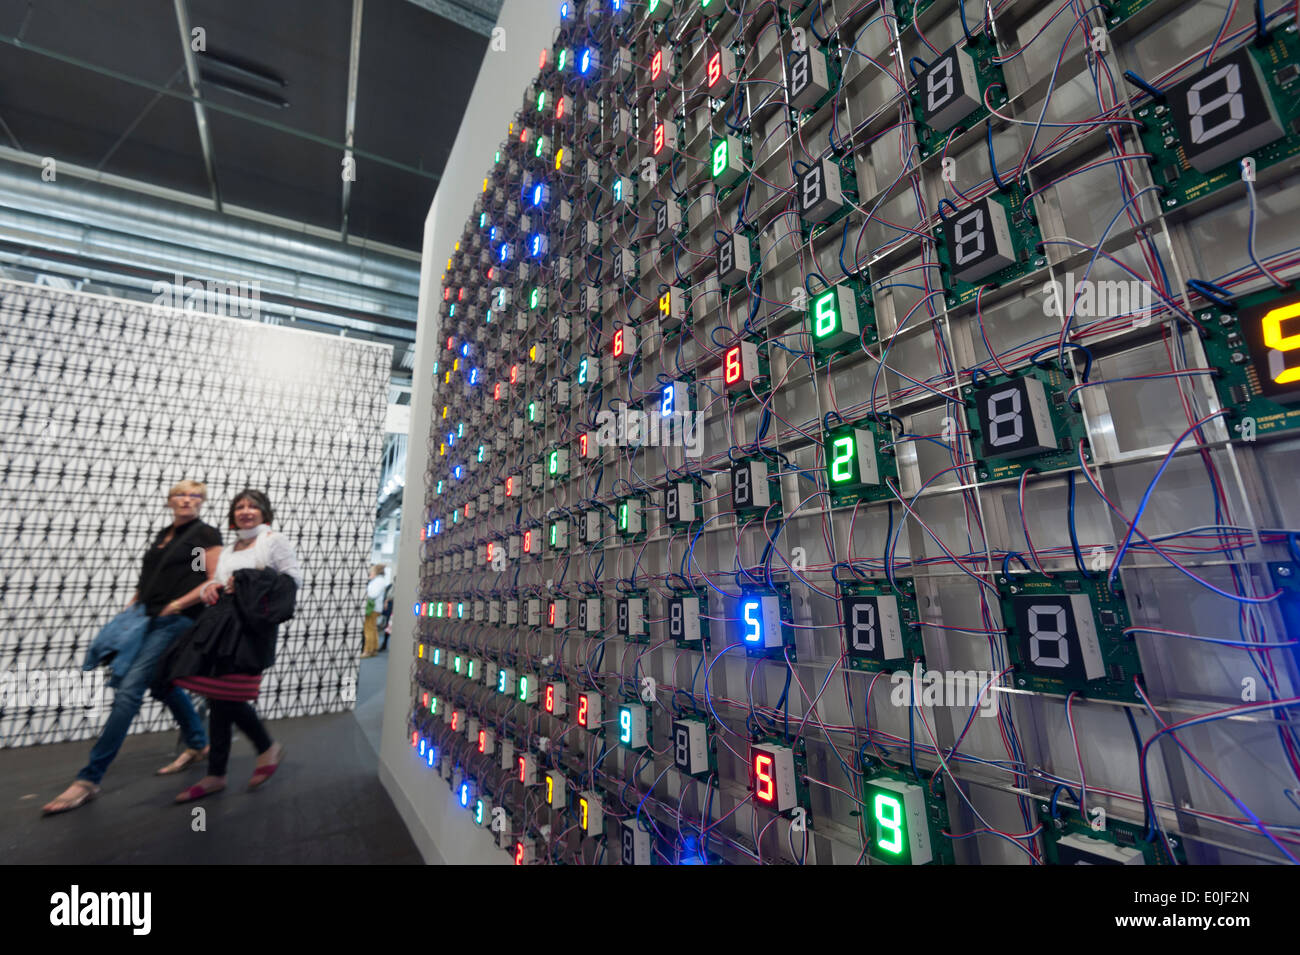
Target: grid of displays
[{"x": 864, "y": 433}]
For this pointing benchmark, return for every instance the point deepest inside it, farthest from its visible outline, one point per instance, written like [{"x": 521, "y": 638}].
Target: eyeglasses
[{"x": 197, "y": 497}]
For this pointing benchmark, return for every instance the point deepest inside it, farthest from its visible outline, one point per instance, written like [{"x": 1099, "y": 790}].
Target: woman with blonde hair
[{"x": 179, "y": 561}]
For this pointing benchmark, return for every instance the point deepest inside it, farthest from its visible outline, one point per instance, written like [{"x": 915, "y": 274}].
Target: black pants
[{"x": 222, "y": 715}]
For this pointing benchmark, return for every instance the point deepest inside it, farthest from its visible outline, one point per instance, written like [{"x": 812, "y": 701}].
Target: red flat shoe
[
  {"x": 197, "y": 792},
  {"x": 262, "y": 773}
]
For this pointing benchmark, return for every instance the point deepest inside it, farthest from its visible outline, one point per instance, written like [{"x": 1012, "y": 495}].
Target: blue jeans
[{"x": 158, "y": 636}]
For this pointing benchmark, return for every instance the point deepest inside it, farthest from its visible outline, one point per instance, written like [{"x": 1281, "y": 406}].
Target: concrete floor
[{"x": 325, "y": 805}]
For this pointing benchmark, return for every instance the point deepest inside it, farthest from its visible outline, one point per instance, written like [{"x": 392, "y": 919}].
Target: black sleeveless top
[{"x": 169, "y": 572}]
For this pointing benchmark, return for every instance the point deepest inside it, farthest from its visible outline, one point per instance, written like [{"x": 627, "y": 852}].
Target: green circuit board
[
  {"x": 1112, "y": 844},
  {"x": 893, "y": 804},
  {"x": 987, "y": 74},
  {"x": 1065, "y": 634},
  {"x": 1229, "y": 350},
  {"x": 1278, "y": 65},
  {"x": 868, "y": 623},
  {"x": 1054, "y": 451},
  {"x": 848, "y": 477},
  {"x": 1026, "y": 251}
]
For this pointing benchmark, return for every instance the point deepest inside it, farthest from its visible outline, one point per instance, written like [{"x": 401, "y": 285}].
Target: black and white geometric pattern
[{"x": 104, "y": 405}]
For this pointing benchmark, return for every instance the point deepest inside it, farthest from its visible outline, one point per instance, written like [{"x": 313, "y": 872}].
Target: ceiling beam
[
  {"x": 200, "y": 115},
  {"x": 477, "y": 15},
  {"x": 354, "y": 66}
]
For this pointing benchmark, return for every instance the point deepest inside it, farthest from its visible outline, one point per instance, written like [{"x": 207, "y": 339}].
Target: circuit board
[
  {"x": 1020, "y": 247},
  {"x": 1065, "y": 634},
  {"x": 849, "y": 190},
  {"x": 800, "y": 760},
  {"x": 1070, "y": 840},
  {"x": 754, "y": 623},
  {"x": 908, "y": 10},
  {"x": 895, "y": 804},
  {"x": 1038, "y": 428},
  {"x": 1121, "y": 11},
  {"x": 1277, "y": 111},
  {"x": 854, "y": 472},
  {"x": 1236, "y": 353},
  {"x": 883, "y": 632},
  {"x": 841, "y": 320},
  {"x": 681, "y": 642},
  {"x": 986, "y": 73}
]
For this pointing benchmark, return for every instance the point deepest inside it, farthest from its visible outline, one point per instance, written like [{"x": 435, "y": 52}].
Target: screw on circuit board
[
  {"x": 1020, "y": 682},
  {"x": 1284, "y": 571}
]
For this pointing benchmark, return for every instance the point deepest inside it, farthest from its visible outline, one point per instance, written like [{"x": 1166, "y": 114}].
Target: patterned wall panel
[{"x": 104, "y": 404}]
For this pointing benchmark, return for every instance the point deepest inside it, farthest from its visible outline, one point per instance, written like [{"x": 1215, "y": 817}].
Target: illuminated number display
[
  {"x": 760, "y": 621},
  {"x": 728, "y": 163},
  {"x": 851, "y": 460},
  {"x": 629, "y": 516},
  {"x": 772, "y": 776},
  {"x": 1272, "y": 333},
  {"x": 525, "y": 688},
  {"x": 555, "y": 790},
  {"x": 555, "y": 699},
  {"x": 897, "y": 829},
  {"x": 591, "y": 814},
  {"x": 526, "y": 768},
  {"x": 589, "y": 711},
  {"x": 834, "y": 317},
  {"x": 1014, "y": 418},
  {"x": 1056, "y": 636},
  {"x": 523, "y": 853},
  {"x": 1223, "y": 112},
  {"x": 632, "y": 726},
  {"x": 740, "y": 366},
  {"x": 978, "y": 240},
  {"x": 948, "y": 90},
  {"x": 871, "y": 627},
  {"x": 691, "y": 746}
]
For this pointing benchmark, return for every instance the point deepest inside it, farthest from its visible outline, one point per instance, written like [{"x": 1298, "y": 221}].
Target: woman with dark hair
[{"x": 224, "y": 655}]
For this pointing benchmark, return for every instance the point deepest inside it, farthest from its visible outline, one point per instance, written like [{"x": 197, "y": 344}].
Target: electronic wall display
[{"x": 729, "y": 416}]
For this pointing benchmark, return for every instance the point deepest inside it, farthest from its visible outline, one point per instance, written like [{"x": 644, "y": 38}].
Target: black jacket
[{"x": 234, "y": 635}]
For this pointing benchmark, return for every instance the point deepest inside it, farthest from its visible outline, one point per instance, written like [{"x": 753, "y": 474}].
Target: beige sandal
[
  {"x": 183, "y": 761},
  {"x": 86, "y": 791}
]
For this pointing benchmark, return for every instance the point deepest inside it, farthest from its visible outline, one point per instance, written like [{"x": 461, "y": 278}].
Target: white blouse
[{"x": 269, "y": 550}]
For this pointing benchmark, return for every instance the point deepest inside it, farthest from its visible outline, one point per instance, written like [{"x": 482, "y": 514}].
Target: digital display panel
[
  {"x": 1272, "y": 333},
  {"x": 1223, "y": 112}
]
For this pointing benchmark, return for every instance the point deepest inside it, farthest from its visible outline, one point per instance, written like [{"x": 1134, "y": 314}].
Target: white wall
[{"x": 441, "y": 829}]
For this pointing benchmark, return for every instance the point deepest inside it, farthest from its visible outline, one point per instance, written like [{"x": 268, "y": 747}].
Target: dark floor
[{"x": 324, "y": 805}]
